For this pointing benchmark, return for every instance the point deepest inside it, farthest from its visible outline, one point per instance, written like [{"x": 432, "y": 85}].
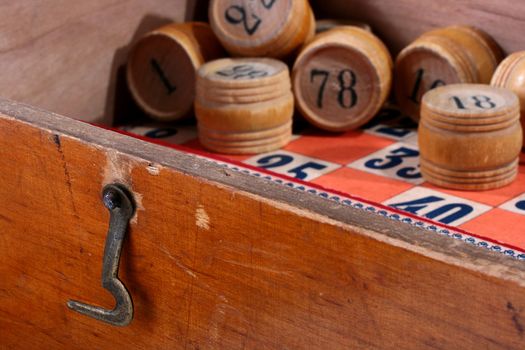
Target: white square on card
[
  {"x": 173, "y": 135},
  {"x": 399, "y": 161},
  {"x": 390, "y": 132},
  {"x": 292, "y": 164},
  {"x": 515, "y": 205},
  {"x": 437, "y": 206}
]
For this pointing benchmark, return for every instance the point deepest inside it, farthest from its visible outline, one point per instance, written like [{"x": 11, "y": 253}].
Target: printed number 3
[{"x": 395, "y": 159}]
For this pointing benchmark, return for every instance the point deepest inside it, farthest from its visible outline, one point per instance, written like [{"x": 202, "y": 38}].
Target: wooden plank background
[
  {"x": 67, "y": 56},
  {"x": 401, "y": 21}
]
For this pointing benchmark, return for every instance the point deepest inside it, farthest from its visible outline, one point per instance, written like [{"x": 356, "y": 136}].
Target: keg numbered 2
[
  {"x": 437, "y": 206},
  {"x": 242, "y": 15},
  {"x": 399, "y": 161},
  {"x": 293, "y": 165}
]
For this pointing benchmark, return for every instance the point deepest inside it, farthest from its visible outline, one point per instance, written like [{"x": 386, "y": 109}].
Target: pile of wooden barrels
[{"x": 337, "y": 75}]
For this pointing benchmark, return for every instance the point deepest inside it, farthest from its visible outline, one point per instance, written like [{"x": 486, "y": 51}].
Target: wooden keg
[
  {"x": 323, "y": 25},
  {"x": 262, "y": 28},
  {"x": 511, "y": 75},
  {"x": 162, "y": 64},
  {"x": 342, "y": 78},
  {"x": 470, "y": 136},
  {"x": 451, "y": 55},
  {"x": 244, "y": 105}
]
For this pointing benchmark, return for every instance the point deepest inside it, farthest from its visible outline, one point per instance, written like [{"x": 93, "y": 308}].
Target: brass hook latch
[{"x": 121, "y": 207}]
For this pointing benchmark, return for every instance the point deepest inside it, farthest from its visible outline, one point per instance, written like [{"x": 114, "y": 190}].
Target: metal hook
[{"x": 121, "y": 208}]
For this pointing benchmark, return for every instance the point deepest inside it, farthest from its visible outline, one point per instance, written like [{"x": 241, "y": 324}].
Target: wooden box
[{"x": 215, "y": 259}]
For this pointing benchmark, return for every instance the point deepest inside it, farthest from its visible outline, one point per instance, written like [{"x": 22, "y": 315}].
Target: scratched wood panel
[
  {"x": 218, "y": 259},
  {"x": 400, "y": 22}
]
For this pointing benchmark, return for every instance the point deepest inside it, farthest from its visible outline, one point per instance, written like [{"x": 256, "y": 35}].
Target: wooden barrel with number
[
  {"x": 262, "y": 28},
  {"x": 470, "y": 136},
  {"x": 511, "y": 75},
  {"x": 452, "y": 55},
  {"x": 342, "y": 78},
  {"x": 244, "y": 105},
  {"x": 162, "y": 64}
]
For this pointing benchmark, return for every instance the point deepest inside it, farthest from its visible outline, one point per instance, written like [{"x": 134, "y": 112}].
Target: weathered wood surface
[
  {"x": 217, "y": 259},
  {"x": 400, "y": 22},
  {"x": 66, "y": 56}
]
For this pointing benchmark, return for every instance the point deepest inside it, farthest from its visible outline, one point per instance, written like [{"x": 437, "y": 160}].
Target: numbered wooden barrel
[
  {"x": 451, "y": 55},
  {"x": 323, "y": 25},
  {"x": 244, "y": 105},
  {"x": 511, "y": 75},
  {"x": 470, "y": 136},
  {"x": 162, "y": 64},
  {"x": 262, "y": 28},
  {"x": 342, "y": 78}
]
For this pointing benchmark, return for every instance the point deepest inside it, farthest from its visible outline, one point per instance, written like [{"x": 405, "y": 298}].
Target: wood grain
[
  {"x": 470, "y": 137},
  {"x": 244, "y": 105},
  {"x": 401, "y": 23},
  {"x": 65, "y": 55},
  {"x": 510, "y": 75},
  {"x": 456, "y": 54},
  {"x": 262, "y": 28},
  {"x": 341, "y": 78},
  {"x": 218, "y": 259}
]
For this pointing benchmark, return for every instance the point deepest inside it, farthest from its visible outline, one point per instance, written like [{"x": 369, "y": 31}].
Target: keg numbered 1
[
  {"x": 293, "y": 165},
  {"x": 399, "y": 161},
  {"x": 437, "y": 206}
]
